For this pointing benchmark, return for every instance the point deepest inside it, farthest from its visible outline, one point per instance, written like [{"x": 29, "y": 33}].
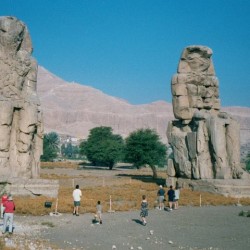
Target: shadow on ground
[
  {"x": 88, "y": 166},
  {"x": 137, "y": 221},
  {"x": 145, "y": 178}
]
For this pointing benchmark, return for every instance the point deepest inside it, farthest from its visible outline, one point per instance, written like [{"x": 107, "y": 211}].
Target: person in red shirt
[
  {"x": 8, "y": 214},
  {"x": 4, "y": 198}
]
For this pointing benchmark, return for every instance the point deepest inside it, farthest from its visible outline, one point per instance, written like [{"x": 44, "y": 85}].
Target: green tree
[
  {"x": 63, "y": 149},
  {"x": 69, "y": 151},
  {"x": 103, "y": 147},
  {"x": 248, "y": 162},
  {"x": 50, "y": 146},
  {"x": 75, "y": 151},
  {"x": 143, "y": 147}
]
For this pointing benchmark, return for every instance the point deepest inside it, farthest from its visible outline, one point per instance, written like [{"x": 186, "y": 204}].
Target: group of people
[
  {"x": 173, "y": 200},
  {"x": 8, "y": 206},
  {"x": 173, "y": 197},
  {"x": 7, "y": 213}
]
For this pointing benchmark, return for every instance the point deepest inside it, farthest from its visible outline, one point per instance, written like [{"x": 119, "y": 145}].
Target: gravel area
[{"x": 186, "y": 228}]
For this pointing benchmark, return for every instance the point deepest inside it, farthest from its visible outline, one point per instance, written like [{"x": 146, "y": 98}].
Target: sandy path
[{"x": 187, "y": 228}]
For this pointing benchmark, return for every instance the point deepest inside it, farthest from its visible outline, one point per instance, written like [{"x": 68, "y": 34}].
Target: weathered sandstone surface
[
  {"x": 204, "y": 139},
  {"x": 21, "y": 123},
  {"x": 21, "y": 127}
]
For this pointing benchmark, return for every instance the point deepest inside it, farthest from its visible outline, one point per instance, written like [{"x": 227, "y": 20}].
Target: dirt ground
[
  {"x": 206, "y": 227},
  {"x": 186, "y": 228}
]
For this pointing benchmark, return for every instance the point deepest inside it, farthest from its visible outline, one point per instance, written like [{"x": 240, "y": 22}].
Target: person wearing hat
[
  {"x": 8, "y": 215},
  {"x": 161, "y": 197}
]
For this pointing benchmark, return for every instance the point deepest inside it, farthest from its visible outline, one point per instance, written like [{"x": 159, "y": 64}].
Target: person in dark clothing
[{"x": 171, "y": 197}]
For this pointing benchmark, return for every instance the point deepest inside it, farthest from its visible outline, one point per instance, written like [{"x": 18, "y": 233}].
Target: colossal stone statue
[
  {"x": 205, "y": 141},
  {"x": 21, "y": 127}
]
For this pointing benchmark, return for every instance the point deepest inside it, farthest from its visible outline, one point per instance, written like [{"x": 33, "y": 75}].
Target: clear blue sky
[{"x": 130, "y": 48}]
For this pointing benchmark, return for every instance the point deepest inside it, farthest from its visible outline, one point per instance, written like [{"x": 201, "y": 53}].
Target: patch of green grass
[{"x": 48, "y": 223}]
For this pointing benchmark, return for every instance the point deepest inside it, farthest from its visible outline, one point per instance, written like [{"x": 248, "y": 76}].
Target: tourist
[
  {"x": 3, "y": 200},
  {"x": 161, "y": 197},
  {"x": 99, "y": 211},
  {"x": 144, "y": 210},
  {"x": 171, "y": 197},
  {"x": 77, "y": 194},
  {"x": 8, "y": 214},
  {"x": 176, "y": 197}
]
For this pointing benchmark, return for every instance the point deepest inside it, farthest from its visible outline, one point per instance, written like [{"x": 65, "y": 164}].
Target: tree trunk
[
  {"x": 154, "y": 171},
  {"x": 111, "y": 165}
]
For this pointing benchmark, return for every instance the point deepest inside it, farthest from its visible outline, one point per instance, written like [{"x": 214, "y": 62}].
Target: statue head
[
  {"x": 195, "y": 86},
  {"x": 196, "y": 59},
  {"x": 14, "y": 35}
]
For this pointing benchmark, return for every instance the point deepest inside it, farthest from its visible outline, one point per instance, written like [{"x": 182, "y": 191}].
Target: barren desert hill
[{"x": 73, "y": 109}]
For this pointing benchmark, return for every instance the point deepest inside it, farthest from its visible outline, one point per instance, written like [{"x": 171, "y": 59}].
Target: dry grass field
[{"x": 125, "y": 186}]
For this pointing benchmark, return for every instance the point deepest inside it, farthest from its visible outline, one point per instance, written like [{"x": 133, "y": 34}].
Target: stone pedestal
[
  {"x": 235, "y": 188},
  {"x": 31, "y": 187}
]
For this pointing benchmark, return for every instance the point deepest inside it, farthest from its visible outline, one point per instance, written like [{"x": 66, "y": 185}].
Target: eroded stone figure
[
  {"x": 205, "y": 141},
  {"x": 21, "y": 127}
]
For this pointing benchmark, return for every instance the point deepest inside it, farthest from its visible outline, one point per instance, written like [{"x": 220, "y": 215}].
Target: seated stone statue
[
  {"x": 205, "y": 141},
  {"x": 21, "y": 127}
]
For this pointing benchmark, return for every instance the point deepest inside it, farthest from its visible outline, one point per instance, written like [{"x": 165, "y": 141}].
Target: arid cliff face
[{"x": 73, "y": 109}]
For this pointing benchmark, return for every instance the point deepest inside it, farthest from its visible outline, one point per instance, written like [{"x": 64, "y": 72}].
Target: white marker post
[
  {"x": 55, "y": 213},
  {"x": 110, "y": 205}
]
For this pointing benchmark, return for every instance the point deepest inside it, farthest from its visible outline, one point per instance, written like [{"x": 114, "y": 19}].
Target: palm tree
[{"x": 51, "y": 143}]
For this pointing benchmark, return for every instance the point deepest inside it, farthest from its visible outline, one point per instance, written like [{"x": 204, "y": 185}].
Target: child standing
[
  {"x": 99, "y": 211},
  {"x": 144, "y": 210}
]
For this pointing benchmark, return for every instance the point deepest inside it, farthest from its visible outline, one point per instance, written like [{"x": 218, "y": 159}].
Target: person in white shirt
[
  {"x": 77, "y": 194},
  {"x": 177, "y": 197}
]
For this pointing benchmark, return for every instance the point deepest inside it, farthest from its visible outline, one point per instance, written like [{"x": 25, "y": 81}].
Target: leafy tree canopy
[
  {"x": 69, "y": 151},
  {"x": 143, "y": 147},
  {"x": 103, "y": 147},
  {"x": 50, "y": 146},
  {"x": 248, "y": 162}
]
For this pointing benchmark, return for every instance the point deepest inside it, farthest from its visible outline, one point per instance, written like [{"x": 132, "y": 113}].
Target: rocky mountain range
[{"x": 73, "y": 109}]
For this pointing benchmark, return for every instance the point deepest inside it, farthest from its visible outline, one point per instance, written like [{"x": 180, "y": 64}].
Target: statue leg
[
  {"x": 203, "y": 157},
  {"x": 218, "y": 145},
  {"x": 6, "y": 116},
  {"x": 233, "y": 148},
  {"x": 25, "y": 145}
]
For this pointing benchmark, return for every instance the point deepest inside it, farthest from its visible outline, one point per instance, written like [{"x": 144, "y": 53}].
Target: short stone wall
[
  {"x": 237, "y": 188},
  {"x": 31, "y": 187}
]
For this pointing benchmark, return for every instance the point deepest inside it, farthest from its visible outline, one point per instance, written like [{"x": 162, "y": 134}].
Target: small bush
[
  {"x": 244, "y": 213},
  {"x": 47, "y": 223}
]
